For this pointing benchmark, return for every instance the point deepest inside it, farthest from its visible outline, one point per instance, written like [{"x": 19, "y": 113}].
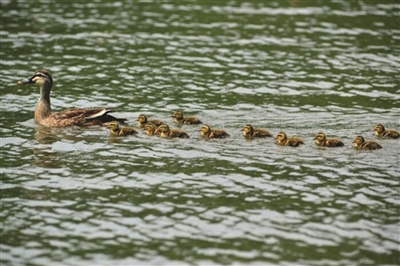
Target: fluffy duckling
[
  {"x": 142, "y": 121},
  {"x": 250, "y": 132},
  {"x": 70, "y": 117},
  {"x": 380, "y": 131},
  {"x": 321, "y": 140},
  {"x": 283, "y": 140},
  {"x": 150, "y": 129},
  {"x": 189, "y": 120},
  {"x": 116, "y": 130},
  {"x": 209, "y": 133},
  {"x": 165, "y": 132},
  {"x": 360, "y": 143}
]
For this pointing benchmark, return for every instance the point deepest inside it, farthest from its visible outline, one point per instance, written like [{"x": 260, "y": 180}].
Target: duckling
[
  {"x": 250, "y": 132},
  {"x": 165, "y": 132},
  {"x": 70, "y": 117},
  {"x": 321, "y": 140},
  {"x": 142, "y": 121},
  {"x": 380, "y": 131},
  {"x": 283, "y": 140},
  {"x": 150, "y": 129},
  {"x": 209, "y": 133},
  {"x": 189, "y": 120},
  {"x": 116, "y": 130},
  {"x": 360, "y": 143}
]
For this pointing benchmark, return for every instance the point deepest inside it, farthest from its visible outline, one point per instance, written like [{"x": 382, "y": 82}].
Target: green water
[{"x": 76, "y": 196}]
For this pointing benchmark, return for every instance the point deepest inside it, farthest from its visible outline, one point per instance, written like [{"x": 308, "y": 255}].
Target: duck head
[
  {"x": 320, "y": 136},
  {"x": 162, "y": 129},
  {"x": 205, "y": 129},
  {"x": 379, "y": 128},
  {"x": 113, "y": 125},
  {"x": 281, "y": 136},
  {"x": 40, "y": 78},
  {"x": 358, "y": 140},
  {"x": 142, "y": 118},
  {"x": 177, "y": 115},
  {"x": 248, "y": 128}
]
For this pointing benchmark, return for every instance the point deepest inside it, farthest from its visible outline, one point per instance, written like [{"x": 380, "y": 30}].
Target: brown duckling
[
  {"x": 165, "y": 132},
  {"x": 250, "y": 132},
  {"x": 142, "y": 121},
  {"x": 116, "y": 130},
  {"x": 189, "y": 120},
  {"x": 69, "y": 117},
  {"x": 283, "y": 140},
  {"x": 380, "y": 131},
  {"x": 150, "y": 129},
  {"x": 360, "y": 143},
  {"x": 209, "y": 133},
  {"x": 321, "y": 140}
]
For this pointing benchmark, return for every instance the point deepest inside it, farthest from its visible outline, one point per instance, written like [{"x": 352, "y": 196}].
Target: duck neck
[
  {"x": 43, "y": 108},
  {"x": 165, "y": 134},
  {"x": 115, "y": 131}
]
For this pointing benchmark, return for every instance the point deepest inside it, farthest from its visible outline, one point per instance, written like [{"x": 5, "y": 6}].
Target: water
[{"x": 77, "y": 196}]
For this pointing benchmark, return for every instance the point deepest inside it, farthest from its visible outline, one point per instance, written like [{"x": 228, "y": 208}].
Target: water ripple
[{"x": 78, "y": 196}]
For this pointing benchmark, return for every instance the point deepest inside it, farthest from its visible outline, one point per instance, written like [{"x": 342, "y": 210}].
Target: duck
[
  {"x": 360, "y": 143},
  {"x": 321, "y": 140},
  {"x": 179, "y": 118},
  {"x": 69, "y": 117},
  {"x": 283, "y": 140},
  {"x": 380, "y": 131},
  {"x": 150, "y": 129},
  {"x": 165, "y": 132},
  {"x": 142, "y": 121},
  {"x": 209, "y": 133},
  {"x": 116, "y": 130},
  {"x": 250, "y": 132}
]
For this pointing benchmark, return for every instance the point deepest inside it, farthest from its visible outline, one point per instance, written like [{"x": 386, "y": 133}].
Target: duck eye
[{"x": 38, "y": 76}]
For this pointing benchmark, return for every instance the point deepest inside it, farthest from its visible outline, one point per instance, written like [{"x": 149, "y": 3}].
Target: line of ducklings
[
  {"x": 101, "y": 116},
  {"x": 158, "y": 127}
]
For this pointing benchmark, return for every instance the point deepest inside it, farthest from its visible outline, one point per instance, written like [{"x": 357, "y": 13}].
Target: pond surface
[{"x": 76, "y": 196}]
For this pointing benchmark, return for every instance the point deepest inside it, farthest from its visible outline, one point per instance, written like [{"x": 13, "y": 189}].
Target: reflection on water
[
  {"x": 45, "y": 135},
  {"x": 44, "y": 158},
  {"x": 78, "y": 196}
]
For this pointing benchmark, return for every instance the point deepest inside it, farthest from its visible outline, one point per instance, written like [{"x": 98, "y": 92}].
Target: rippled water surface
[{"x": 76, "y": 196}]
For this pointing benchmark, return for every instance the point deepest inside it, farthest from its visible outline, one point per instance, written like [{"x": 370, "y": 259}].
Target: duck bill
[{"x": 25, "y": 81}]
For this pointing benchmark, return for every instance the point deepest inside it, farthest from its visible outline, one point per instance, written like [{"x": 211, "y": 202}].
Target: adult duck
[{"x": 69, "y": 117}]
